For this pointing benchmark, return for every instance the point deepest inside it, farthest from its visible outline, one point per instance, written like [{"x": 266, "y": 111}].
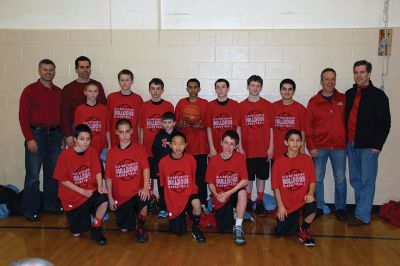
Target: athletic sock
[
  {"x": 196, "y": 220},
  {"x": 305, "y": 226},
  {"x": 249, "y": 195},
  {"x": 239, "y": 222},
  {"x": 260, "y": 195},
  {"x": 97, "y": 222},
  {"x": 142, "y": 219}
]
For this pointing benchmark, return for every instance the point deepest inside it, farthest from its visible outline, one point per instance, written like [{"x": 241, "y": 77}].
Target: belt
[{"x": 49, "y": 128}]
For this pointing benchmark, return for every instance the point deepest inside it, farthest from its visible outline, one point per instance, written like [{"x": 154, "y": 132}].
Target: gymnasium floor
[{"x": 337, "y": 244}]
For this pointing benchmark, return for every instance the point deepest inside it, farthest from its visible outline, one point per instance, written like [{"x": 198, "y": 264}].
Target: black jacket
[
  {"x": 160, "y": 148},
  {"x": 373, "y": 117}
]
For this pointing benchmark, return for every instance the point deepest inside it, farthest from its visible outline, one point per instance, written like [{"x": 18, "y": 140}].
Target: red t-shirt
[
  {"x": 125, "y": 168},
  {"x": 222, "y": 117},
  {"x": 123, "y": 106},
  {"x": 285, "y": 118},
  {"x": 196, "y": 137},
  {"x": 292, "y": 176},
  {"x": 226, "y": 174},
  {"x": 178, "y": 177},
  {"x": 255, "y": 125},
  {"x": 81, "y": 170},
  {"x": 150, "y": 120},
  {"x": 96, "y": 118}
]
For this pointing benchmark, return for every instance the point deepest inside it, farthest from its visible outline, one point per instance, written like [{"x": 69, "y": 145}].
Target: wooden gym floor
[{"x": 337, "y": 244}]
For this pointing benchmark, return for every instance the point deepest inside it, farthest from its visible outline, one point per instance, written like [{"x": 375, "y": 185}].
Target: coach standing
[
  {"x": 39, "y": 117},
  {"x": 367, "y": 119}
]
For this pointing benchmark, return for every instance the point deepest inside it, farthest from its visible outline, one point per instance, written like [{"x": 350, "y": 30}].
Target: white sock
[{"x": 239, "y": 222}]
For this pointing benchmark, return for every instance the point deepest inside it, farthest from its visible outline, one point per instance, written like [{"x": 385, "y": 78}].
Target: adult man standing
[
  {"x": 72, "y": 96},
  {"x": 326, "y": 138},
  {"x": 368, "y": 125},
  {"x": 39, "y": 117}
]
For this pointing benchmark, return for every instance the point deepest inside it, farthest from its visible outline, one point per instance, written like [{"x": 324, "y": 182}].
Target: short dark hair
[
  {"x": 156, "y": 81},
  {"x": 123, "y": 121},
  {"x": 365, "y": 63},
  {"x": 90, "y": 83},
  {"x": 193, "y": 80},
  {"x": 125, "y": 72},
  {"x": 178, "y": 134},
  {"x": 221, "y": 80},
  {"x": 293, "y": 132},
  {"x": 328, "y": 69},
  {"x": 81, "y": 58},
  {"x": 81, "y": 128},
  {"x": 168, "y": 115},
  {"x": 255, "y": 78},
  {"x": 46, "y": 62},
  {"x": 232, "y": 134},
  {"x": 288, "y": 81}
]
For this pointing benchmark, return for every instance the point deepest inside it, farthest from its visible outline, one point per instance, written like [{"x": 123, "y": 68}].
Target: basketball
[{"x": 191, "y": 114}]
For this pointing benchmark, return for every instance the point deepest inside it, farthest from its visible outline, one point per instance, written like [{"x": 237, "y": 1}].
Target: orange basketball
[{"x": 191, "y": 114}]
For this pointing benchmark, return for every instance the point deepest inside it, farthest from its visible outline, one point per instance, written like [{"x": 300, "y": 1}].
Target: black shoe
[
  {"x": 260, "y": 210},
  {"x": 198, "y": 235},
  {"x": 249, "y": 206},
  {"x": 354, "y": 221},
  {"x": 97, "y": 236},
  {"x": 319, "y": 213},
  {"x": 32, "y": 216},
  {"x": 59, "y": 210},
  {"x": 141, "y": 235},
  {"x": 341, "y": 215}
]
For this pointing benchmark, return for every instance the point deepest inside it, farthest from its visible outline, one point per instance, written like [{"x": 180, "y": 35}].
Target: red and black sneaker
[
  {"x": 97, "y": 236},
  {"x": 141, "y": 235},
  {"x": 306, "y": 238}
]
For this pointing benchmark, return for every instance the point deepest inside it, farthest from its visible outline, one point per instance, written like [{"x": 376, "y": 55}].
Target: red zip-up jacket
[{"x": 325, "y": 127}]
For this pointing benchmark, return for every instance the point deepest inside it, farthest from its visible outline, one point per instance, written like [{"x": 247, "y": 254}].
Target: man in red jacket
[
  {"x": 39, "y": 117},
  {"x": 326, "y": 137}
]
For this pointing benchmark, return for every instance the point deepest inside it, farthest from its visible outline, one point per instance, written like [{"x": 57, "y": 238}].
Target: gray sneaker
[{"x": 238, "y": 235}]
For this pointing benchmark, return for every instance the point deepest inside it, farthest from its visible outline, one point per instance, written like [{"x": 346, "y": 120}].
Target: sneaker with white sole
[{"x": 238, "y": 235}]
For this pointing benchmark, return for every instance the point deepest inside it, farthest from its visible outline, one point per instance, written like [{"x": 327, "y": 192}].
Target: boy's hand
[
  {"x": 87, "y": 193},
  {"x": 144, "y": 194},
  {"x": 101, "y": 189},
  {"x": 112, "y": 204},
  {"x": 309, "y": 198},
  {"x": 32, "y": 146},
  {"x": 213, "y": 152},
  {"x": 220, "y": 197},
  {"x": 270, "y": 153},
  {"x": 281, "y": 213},
  {"x": 314, "y": 153}
]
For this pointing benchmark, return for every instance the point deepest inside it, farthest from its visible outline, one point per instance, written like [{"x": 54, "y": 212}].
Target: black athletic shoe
[
  {"x": 97, "y": 236},
  {"x": 32, "y": 216},
  {"x": 198, "y": 235},
  {"x": 141, "y": 235},
  {"x": 260, "y": 210},
  {"x": 341, "y": 215},
  {"x": 249, "y": 206}
]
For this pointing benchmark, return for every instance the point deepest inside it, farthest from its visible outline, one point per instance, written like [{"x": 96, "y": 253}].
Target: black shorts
[
  {"x": 258, "y": 167},
  {"x": 127, "y": 212},
  {"x": 153, "y": 167},
  {"x": 224, "y": 215},
  {"x": 79, "y": 218},
  {"x": 178, "y": 225},
  {"x": 290, "y": 226}
]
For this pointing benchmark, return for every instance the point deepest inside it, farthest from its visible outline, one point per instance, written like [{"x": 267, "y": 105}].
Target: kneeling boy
[
  {"x": 227, "y": 179},
  {"x": 293, "y": 182},
  {"x": 178, "y": 177},
  {"x": 80, "y": 189},
  {"x": 127, "y": 179}
]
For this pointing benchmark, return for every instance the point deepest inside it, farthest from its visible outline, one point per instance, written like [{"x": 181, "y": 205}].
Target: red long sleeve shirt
[{"x": 39, "y": 106}]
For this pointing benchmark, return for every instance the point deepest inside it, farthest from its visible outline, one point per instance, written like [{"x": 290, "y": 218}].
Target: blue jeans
[
  {"x": 338, "y": 161},
  {"x": 49, "y": 147},
  {"x": 363, "y": 166}
]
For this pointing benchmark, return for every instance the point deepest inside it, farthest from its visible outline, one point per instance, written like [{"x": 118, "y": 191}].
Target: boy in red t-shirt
[
  {"x": 293, "y": 183},
  {"x": 257, "y": 140},
  {"x": 227, "y": 180},
  {"x": 80, "y": 186},
  {"x": 124, "y": 104},
  {"x": 127, "y": 180},
  {"x": 95, "y": 116},
  {"x": 177, "y": 176},
  {"x": 287, "y": 114},
  {"x": 196, "y": 134},
  {"x": 223, "y": 115},
  {"x": 150, "y": 122}
]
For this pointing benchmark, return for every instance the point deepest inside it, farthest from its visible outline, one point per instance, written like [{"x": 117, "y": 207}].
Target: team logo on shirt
[
  {"x": 124, "y": 111},
  {"x": 94, "y": 124},
  {"x": 227, "y": 179},
  {"x": 126, "y": 169},
  {"x": 284, "y": 121},
  {"x": 294, "y": 180},
  {"x": 222, "y": 122},
  {"x": 164, "y": 142},
  {"x": 154, "y": 123},
  {"x": 81, "y": 176},
  {"x": 178, "y": 181},
  {"x": 254, "y": 119},
  {"x": 339, "y": 104}
]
